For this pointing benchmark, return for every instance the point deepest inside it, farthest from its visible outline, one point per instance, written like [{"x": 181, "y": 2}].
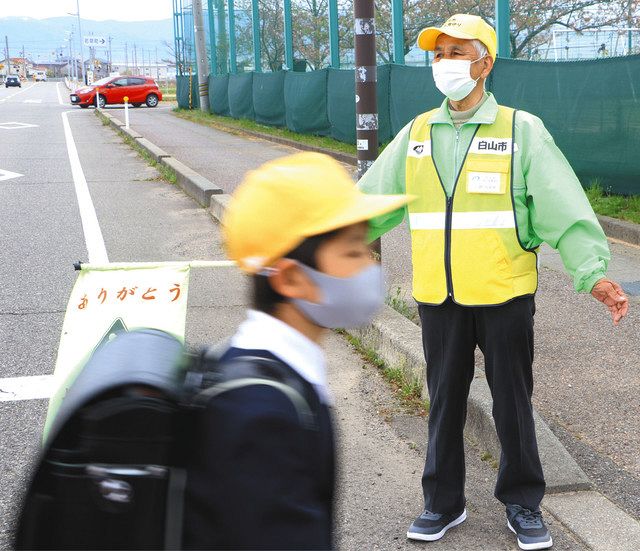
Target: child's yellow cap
[{"x": 280, "y": 204}]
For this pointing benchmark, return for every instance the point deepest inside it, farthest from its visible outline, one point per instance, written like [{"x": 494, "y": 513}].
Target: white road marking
[
  {"x": 16, "y": 125},
  {"x": 7, "y": 175},
  {"x": 37, "y": 387},
  {"x": 58, "y": 91},
  {"x": 19, "y": 92},
  {"x": 32, "y": 101},
  {"x": 92, "y": 233}
]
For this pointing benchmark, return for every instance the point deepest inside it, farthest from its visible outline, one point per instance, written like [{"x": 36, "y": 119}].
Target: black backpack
[{"x": 112, "y": 472}]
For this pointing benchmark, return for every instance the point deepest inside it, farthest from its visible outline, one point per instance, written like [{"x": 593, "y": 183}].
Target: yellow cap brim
[
  {"x": 427, "y": 37},
  {"x": 362, "y": 209}
]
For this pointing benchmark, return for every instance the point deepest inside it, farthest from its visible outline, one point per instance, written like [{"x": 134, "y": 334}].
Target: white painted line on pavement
[
  {"x": 19, "y": 92},
  {"x": 91, "y": 227},
  {"x": 32, "y": 101},
  {"x": 7, "y": 175},
  {"x": 38, "y": 387},
  {"x": 16, "y": 125},
  {"x": 58, "y": 91}
]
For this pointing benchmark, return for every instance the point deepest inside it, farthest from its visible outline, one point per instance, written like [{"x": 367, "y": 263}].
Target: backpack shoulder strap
[{"x": 305, "y": 415}]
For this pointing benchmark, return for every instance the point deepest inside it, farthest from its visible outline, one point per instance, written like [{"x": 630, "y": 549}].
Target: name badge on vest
[{"x": 484, "y": 182}]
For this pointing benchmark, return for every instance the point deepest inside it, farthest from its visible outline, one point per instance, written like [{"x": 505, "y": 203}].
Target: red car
[{"x": 139, "y": 90}]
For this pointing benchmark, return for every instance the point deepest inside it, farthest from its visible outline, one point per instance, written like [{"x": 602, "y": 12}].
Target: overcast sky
[{"x": 122, "y": 10}]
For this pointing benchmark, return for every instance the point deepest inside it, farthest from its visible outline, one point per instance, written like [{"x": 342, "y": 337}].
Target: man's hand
[{"x": 610, "y": 293}]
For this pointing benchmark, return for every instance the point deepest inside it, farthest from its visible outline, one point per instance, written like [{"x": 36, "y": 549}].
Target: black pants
[{"x": 504, "y": 334}]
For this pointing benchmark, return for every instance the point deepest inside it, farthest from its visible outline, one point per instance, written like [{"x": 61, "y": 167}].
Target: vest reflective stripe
[
  {"x": 462, "y": 220},
  {"x": 467, "y": 246}
]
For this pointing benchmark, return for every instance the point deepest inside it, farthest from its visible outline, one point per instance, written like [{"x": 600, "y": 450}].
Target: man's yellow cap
[
  {"x": 280, "y": 204},
  {"x": 461, "y": 25}
]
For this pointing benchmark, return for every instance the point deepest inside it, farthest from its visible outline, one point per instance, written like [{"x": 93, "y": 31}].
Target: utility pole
[
  {"x": 24, "y": 63},
  {"x": 157, "y": 68},
  {"x": 135, "y": 59},
  {"x": 366, "y": 73},
  {"x": 84, "y": 80},
  {"x": 201, "y": 55},
  {"x": 110, "y": 58},
  {"x": 6, "y": 46},
  {"x": 70, "y": 58},
  {"x": 126, "y": 58}
]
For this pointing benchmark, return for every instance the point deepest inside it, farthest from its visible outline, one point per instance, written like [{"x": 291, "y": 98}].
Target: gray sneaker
[
  {"x": 528, "y": 527},
  {"x": 432, "y": 526}
]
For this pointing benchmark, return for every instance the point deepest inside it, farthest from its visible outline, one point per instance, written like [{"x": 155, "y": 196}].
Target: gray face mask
[{"x": 345, "y": 301}]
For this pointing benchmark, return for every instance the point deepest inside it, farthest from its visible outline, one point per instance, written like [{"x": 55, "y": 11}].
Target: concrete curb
[
  {"x": 194, "y": 184},
  {"x": 620, "y": 229},
  {"x": 153, "y": 150}
]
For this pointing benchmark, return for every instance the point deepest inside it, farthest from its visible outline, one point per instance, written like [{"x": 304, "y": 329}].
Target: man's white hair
[{"x": 480, "y": 48}]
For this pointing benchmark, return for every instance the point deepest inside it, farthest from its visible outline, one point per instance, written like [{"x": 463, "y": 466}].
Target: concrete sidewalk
[{"x": 575, "y": 335}]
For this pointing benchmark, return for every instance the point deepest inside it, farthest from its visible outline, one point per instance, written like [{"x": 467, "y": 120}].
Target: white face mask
[
  {"x": 346, "y": 301},
  {"x": 453, "y": 77}
]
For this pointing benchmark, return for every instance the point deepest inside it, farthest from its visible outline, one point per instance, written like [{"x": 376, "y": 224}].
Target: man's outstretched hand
[{"x": 610, "y": 293}]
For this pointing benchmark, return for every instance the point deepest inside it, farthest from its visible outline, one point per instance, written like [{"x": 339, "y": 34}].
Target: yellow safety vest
[{"x": 467, "y": 246}]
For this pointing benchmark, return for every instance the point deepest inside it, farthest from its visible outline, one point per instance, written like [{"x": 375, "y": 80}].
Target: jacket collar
[{"x": 485, "y": 115}]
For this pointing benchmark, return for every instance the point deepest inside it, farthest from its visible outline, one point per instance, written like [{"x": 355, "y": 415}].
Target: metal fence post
[
  {"x": 288, "y": 36},
  {"x": 502, "y": 28},
  {"x": 233, "y": 62},
  {"x": 255, "y": 16},
  {"x": 334, "y": 44},
  {"x": 397, "y": 25},
  {"x": 177, "y": 20},
  {"x": 213, "y": 59},
  {"x": 222, "y": 39}
]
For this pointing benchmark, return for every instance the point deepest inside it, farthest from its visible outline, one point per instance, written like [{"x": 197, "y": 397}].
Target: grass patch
[
  {"x": 408, "y": 390},
  {"x": 398, "y": 301},
  {"x": 166, "y": 173},
  {"x": 224, "y": 123},
  {"x": 616, "y": 206},
  {"x": 488, "y": 458}
]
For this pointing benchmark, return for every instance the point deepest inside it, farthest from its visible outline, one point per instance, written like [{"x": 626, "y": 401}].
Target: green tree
[{"x": 311, "y": 31}]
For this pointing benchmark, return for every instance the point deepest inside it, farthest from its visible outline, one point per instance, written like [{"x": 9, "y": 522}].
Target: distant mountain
[{"x": 41, "y": 37}]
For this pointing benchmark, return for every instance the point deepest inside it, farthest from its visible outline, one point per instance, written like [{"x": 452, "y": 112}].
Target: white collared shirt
[{"x": 261, "y": 331}]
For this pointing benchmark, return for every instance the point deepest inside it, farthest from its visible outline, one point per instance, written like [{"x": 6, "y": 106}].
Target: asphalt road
[{"x": 143, "y": 218}]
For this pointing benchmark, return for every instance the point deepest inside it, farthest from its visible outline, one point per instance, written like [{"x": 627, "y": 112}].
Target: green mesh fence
[
  {"x": 341, "y": 106},
  {"x": 411, "y": 92},
  {"x": 268, "y": 98},
  {"x": 241, "y": 96},
  {"x": 219, "y": 94},
  {"x": 305, "y": 97},
  {"x": 383, "y": 97},
  {"x": 182, "y": 92},
  {"x": 591, "y": 108}
]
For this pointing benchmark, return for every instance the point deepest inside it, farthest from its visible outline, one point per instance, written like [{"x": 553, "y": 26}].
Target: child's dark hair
[{"x": 265, "y": 298}]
